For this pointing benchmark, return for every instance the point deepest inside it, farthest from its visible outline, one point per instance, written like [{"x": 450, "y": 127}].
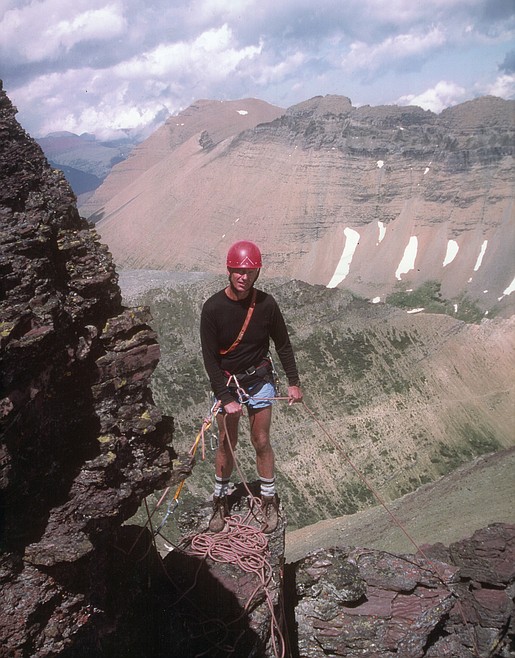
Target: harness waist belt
[{"x": 263, "y": 369}]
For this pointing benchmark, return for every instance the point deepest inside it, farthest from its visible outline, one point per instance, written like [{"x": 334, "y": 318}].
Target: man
[{"x": 236, "y": 326}]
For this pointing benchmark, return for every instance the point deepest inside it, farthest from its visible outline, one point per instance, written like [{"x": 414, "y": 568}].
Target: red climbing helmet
[{"x": 244, "y": 254}]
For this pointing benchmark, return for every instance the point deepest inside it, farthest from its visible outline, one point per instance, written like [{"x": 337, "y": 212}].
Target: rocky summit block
[
  {"x": 229, "y": 584},
  {"x": 443, "y": 602}
]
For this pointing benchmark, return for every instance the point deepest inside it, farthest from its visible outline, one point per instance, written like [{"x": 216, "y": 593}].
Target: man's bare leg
[
  {"x": 224, "y": 461},
  {"x": 260, "y": 422},
  {"x": 224, "y": 464}
]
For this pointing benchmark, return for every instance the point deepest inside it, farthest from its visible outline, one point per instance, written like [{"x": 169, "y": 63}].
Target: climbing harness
[{"x": 241, "y": 393}]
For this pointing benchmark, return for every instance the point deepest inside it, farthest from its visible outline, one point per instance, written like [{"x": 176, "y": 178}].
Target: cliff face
[
  {"x": 371, "y": 199},
  {"x": 82, "y": 441}
]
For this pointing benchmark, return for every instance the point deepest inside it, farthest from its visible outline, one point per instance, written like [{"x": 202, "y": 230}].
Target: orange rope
[
  {"x": 206, "y": 424},
  {"x": 245, "y": 546}
]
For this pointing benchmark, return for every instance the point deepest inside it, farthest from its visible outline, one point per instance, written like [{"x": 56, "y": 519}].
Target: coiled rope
[{"x": 245, "y": 546}]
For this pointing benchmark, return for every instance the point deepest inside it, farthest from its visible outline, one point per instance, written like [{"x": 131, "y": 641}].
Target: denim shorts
[{"x": 260, "y": 395}]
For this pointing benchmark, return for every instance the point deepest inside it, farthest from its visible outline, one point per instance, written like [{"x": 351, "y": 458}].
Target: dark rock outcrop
[
  {"x": 475, "y": 132},
  {"x": 82, "y": 441},
  {"x": 455, "y": 602}
]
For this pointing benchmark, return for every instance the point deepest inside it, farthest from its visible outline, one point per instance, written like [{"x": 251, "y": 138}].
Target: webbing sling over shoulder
[{"x": 244, "y": 326}]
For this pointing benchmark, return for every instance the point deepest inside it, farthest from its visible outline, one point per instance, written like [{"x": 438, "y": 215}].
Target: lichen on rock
[{"x": 82, "y": 441}]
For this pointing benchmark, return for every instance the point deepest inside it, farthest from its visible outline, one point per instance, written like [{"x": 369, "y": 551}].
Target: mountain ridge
[
  {"x": 375, "y": 199},
  {"x": 84, "y": 152},
  {"x": 224, "y": 118}
]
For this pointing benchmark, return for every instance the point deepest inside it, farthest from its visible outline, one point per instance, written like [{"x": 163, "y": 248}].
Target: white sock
[
  {"x": 267, "y": 486},
  {"x": 221, "y": 486}
]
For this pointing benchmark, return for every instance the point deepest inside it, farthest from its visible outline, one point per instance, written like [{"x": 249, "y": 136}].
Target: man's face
[{"x": 242, "y": 279}]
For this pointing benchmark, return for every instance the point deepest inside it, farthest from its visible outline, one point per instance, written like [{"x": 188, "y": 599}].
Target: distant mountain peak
[{"x": 376, "y": 199}]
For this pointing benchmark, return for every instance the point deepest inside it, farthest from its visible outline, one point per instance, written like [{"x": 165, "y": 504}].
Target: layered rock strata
[
  {"x": 81, "y": 439},
  {"x": 373, "y": 199},
  {"x": 454, "y": 602}
]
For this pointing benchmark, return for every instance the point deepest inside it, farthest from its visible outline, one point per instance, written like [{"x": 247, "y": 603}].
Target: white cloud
[
  {"x": 276, "y": 72},
  {"x": 128, "y": 58},
  {"x": 109, "y": 120},
  {"x": 130, "y": 94},
  {"x": 503, "y": 86},
  {"x": 391, "y": 51},
  {"x": 82, "y": 101},
  {"x": 104, "y": 23},
  {"x": 221, "y": 8},
  {"x": 41, "y": 30},
  {"x": 212, "y": 54},
  {"x": 442, "y": 95}
]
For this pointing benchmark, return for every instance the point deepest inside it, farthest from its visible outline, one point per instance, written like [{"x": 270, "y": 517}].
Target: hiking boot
[
  {"x": 270, "y": 509},
  {"x": 220, "y": 511}
]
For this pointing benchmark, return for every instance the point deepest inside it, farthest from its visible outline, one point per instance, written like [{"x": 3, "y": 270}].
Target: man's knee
[{"x": 261, "y": 442}]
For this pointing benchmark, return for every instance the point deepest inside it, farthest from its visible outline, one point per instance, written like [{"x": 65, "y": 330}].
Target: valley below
[
  {"x": 395, "y": 403},
  {"x": 473, "y": 496}
]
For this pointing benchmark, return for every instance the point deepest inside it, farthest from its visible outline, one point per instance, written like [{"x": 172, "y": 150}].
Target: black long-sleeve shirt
[{"x": 221, "y": 321}]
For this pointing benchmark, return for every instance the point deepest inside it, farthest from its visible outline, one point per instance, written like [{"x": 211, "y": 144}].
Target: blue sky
[{"x": 102, "y": 66}]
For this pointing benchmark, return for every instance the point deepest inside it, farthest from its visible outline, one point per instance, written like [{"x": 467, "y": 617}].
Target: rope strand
[{"x": 245, "y": 546}]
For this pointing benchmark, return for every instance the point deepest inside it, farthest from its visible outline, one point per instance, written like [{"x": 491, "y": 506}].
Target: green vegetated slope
[{"x": 402, "y": 399}]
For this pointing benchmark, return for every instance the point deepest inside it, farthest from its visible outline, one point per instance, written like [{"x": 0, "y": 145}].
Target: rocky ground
[{"x": 453, "y": 602}]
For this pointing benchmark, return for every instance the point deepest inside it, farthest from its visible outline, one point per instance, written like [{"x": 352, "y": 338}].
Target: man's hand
[
  {"x": 233, "y": 408},
  {"x": 294, "y": 394}
]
